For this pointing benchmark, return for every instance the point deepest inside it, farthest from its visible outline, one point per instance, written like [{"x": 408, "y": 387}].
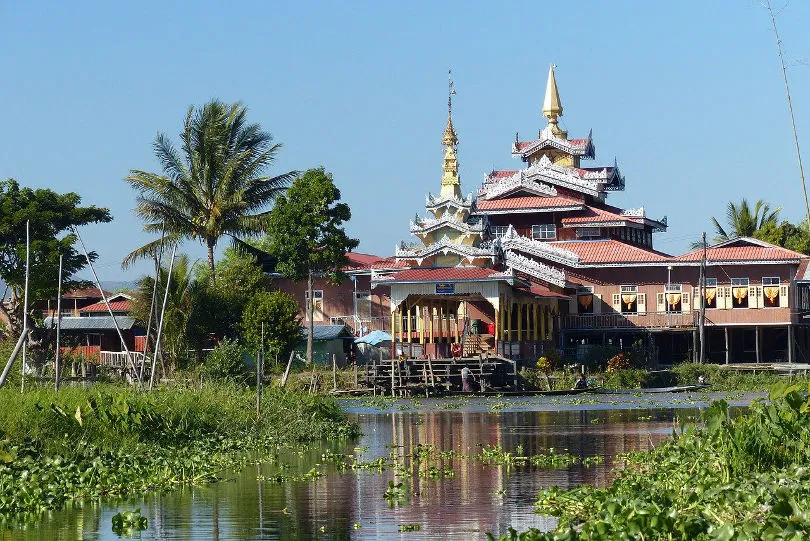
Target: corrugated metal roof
[
  {"x": 94, "y": 323},
  {"x": 327, "y": 332},
  {"x": 115, "y": 306},
  {"x": 85, "y": 293}
]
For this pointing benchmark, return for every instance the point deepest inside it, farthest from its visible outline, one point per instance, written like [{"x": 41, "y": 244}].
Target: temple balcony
[{"x": 647, "y": 320}]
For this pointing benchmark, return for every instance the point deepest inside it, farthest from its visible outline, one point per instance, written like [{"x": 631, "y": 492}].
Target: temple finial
[
  {"x": 449, "y": 138},
  {"x": 552, "y": 108}
]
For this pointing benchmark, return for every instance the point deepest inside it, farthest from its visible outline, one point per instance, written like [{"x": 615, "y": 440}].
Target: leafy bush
[
  {"x": 227, "y": 362},
  {"x": 620, "y": 361},
  {"x": 278, "y": 311}
]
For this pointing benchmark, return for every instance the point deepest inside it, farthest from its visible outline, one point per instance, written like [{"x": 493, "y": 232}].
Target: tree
[
  {"x": 182, "y": 302},
  {"x": 743, "y": 222},
  {"x": 214, "y": 186},
  {"x": 278, "y": 311},
  {"x": 51, "y": 216},
  {"x": 306, "y": 235}
]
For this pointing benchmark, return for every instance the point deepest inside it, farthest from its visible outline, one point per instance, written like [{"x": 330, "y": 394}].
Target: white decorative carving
[
  {"x": 432, "y": 201},
  {"x": 423, "y": 225},
  {"x": 444, "y": 245},
  {"x": 534, "y": 268},
  {"x": 635, "y": 213},
  {"x": 512, "y": 241},
  {"x": 547, "y": 138},
  {"x": 560, "y": 175},
  {"x": 515, "y": 182}
]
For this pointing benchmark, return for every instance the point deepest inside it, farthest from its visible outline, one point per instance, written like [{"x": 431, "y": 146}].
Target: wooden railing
[
  {"x": 118, "y": 359},
  {"x": 613, "y": 320},
  {"x": 368, "y": 324}
]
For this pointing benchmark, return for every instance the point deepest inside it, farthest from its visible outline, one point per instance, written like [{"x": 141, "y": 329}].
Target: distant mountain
[{"x": 119, "y": 285}]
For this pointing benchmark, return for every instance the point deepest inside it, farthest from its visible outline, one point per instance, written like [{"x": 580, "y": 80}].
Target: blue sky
[{"x": 687, "y": 96}]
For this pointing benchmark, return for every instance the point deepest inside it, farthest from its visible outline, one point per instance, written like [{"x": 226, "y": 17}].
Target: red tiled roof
[
  {"x": 85, "y": 293},
  {"x": 116, "y": 306},
  {"x": 361, "y": 261},
  {"x": 743, "y": 249},
  {"x": 594, "y": 214},
  {"x": 611, "y": 251},
  {"x": 388, "y": 263},
  {"x": 801, "y": 272},
  {"x": 441, "y": 274},
  {"x": 527, "y": 202},
  {"x": 544, "y": 292},
  {"x": 581, "y": 143},
  {"x": 502, "y": 174}
]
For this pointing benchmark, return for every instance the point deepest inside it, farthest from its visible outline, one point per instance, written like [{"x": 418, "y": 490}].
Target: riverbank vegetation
[
  {"x": 720, "y": 378},
  {"x": 82, "y": 444},
  {"x": 737, "y": 477}
]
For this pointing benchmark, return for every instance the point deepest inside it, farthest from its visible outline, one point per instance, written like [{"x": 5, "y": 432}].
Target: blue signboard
[{"x": 445, "y": 288}]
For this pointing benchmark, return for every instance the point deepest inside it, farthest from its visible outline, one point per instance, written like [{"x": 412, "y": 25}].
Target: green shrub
[{"x": 227, "y": 362}]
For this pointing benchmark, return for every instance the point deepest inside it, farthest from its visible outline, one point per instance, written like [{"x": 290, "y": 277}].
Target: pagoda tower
[{"x": 449, "y": 237}]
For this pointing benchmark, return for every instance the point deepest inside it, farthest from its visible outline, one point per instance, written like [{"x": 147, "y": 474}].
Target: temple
[{"x": 539, "y": 259}]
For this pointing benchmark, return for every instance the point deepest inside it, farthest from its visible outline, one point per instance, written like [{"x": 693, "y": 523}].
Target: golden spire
[
  {"x": 552, "y": 108},
  {"x": 451, "y": 183},
  {"x": 449, "y": 138}
]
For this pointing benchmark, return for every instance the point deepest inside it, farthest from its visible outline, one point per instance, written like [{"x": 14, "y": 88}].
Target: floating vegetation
[
  {"x": 111, "y": 441},
  {"x": 396, "y": 494},
  {"x": 410, "y": 527},
  {"x": 738, "y": 477},
  {"x": 128, "y": 522}
]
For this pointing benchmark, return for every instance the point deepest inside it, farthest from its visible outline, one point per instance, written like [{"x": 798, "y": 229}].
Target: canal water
[{"x": 464, "y": 499}]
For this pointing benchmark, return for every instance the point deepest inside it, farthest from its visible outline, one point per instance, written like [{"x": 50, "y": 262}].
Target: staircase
[{"x": 479, "y": 344}]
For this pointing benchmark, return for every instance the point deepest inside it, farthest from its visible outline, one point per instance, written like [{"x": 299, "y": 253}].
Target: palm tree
[
  {"x": 742, "y": 222},
  {"x": 213, "y": 187}
]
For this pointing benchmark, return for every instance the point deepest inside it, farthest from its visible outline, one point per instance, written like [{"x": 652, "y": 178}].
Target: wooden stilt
[
  {"x": 458, "y": 338},
  {"x": 756, "y": 344},
  {"x": 790, "y": 343},
  {"x": 728, "y": 350},
  {"x": 410, "y": 331},
  {"x": 393, "y": 376},
  {"x": 447, "y": 315},
  {"x": 536, "y": 310},
  {"x": 421, "y": 319},
  {"x": 430, "y": 322},
  {"x": 520, "y": 321}
]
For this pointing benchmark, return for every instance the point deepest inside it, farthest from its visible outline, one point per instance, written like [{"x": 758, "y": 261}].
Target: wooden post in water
[
  {"x": 259, "y": 367},
  {"x": 393, "y": 375}
]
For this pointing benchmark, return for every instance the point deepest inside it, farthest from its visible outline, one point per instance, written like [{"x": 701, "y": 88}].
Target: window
[
  {"x": 588, "y": 232},
  {"x": 317, "y": 304},
  {"x": 710, "y": 292},
  {"x": 770, "y": 292},
  {"x": 499, "y": 231},
  {"x": 362, "y": 304},
  {"x": 585, "y": 300},
  {"x": 673, "y": 298},
  {"x": 629, "y": 299},
  {"x": 739, "y": 292},
  {"x": 544, "y": 232}
]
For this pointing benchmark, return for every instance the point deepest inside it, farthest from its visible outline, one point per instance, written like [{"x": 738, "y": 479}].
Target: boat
[{"x": 654, "y": 390}]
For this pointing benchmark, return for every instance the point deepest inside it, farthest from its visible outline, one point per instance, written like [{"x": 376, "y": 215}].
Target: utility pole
[
  {"x": 790, "y": 108},
  {"x": 57, "y": 364},
  {"x": 702, "y": 292},
  {"x": 259, "y": 371}
]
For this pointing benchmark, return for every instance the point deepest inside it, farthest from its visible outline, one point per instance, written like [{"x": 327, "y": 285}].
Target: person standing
[{"x": 466, "y": 379}]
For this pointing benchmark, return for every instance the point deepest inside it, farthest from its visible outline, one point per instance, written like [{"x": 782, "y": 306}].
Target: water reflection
[{"x": 351, "y": 505}]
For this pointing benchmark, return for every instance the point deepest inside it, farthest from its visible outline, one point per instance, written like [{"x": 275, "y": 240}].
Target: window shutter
[
  {"x": 752, "y": 297},
  {"x": 760, "y": 298},
  {"x": 728, "y": 302},
  {"x": 660, "y": 302},
  {"x": 685, "y": 303},
  {"x": 617, "y": 302},
  {"x": 696, "y": 298},
  {"x": 783, "y": 297},
  {"x": 641, "y": 303},
  {"x": 597, "y": 303}
]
